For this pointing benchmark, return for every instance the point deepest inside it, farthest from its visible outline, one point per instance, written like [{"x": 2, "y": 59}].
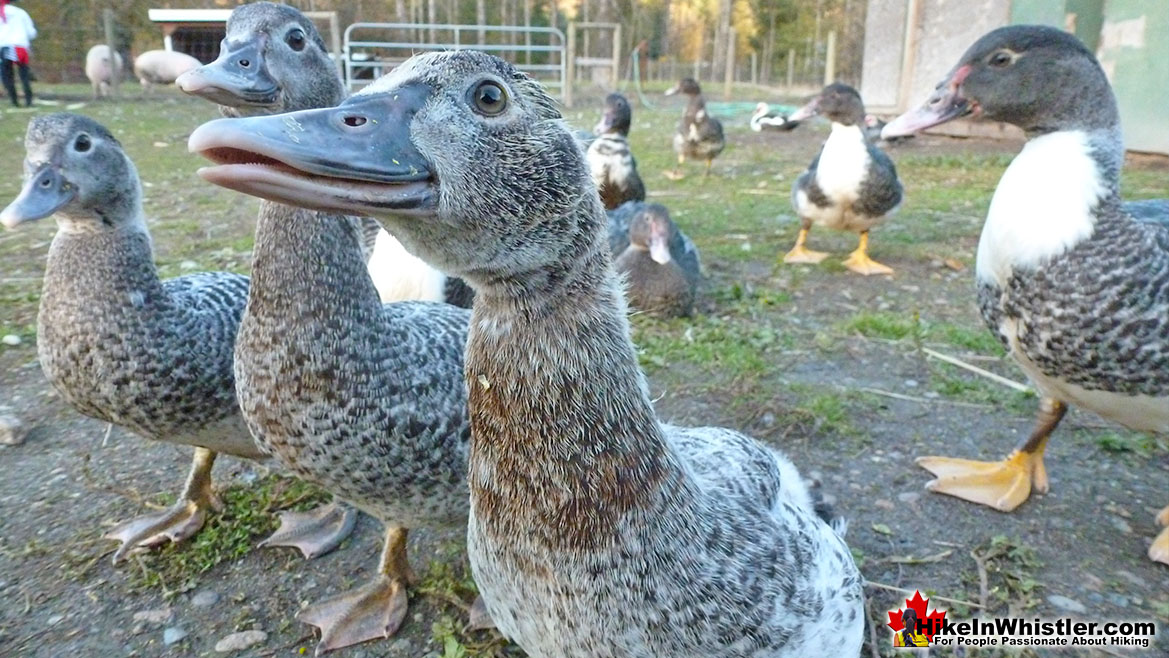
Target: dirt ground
[{"x": 831, "y": 367}]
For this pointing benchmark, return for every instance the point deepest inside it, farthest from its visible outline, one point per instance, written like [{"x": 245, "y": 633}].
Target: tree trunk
[
  {"x": 528, "y": 35},
  {"x": 432, "y": 16},
  {"x": 481, "y": 18}
]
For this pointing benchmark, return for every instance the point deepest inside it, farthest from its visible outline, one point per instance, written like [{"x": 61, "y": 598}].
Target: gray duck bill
[
  {"x": 43, "y": 194},
  {"x": 236, "y": 78},
  {"x": 945, "y": 104},
  {"x": 354, "y": 158}
]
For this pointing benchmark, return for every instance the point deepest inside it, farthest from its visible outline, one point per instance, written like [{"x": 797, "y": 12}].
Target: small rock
[
  {"x": 12, "y": 431},
  {"x": 11, "y": 339},
  {"x": 1064, "y": 603},
  {"x": 910, "y": 383},
  {"x": 240, "y": 641},
  {"x": 188, "y": 265},
  {"x": 768, "y": 419},
  {"x": 1127, "y": 575},
  {"x": 1118, "y": 600},
  {"x": 55, "y": 619},
  {"x": 1120, "y": 524},
  {"x": 885, "y": 504},
  {"x": 204, "y": 599},
  {"x": 401, "y": 647},
  {"x": 161, "y": 145},
  {"x": 157, "y": 616},
  {"x": 909, "y": 497},
  {"x": 172, "y": 635}
]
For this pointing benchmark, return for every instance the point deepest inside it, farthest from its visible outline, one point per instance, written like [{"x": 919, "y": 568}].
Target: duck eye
[
  {"x": 489, "y": 98},
  {"x": 1001, "y": 59},
  {"x": 82, "y": 143},
  {"x": 295, "y": 40}
]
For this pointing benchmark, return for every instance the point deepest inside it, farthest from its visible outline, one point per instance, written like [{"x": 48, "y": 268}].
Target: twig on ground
[
  {"x": 870, "y": 583},
  {"x": 983, "y": 578},
  {"x": 909, "y": 559},
  {"x": 914, "y": 398},
  {"x": 1010, "y": 383},
  {"x": 872, "y": 630}
]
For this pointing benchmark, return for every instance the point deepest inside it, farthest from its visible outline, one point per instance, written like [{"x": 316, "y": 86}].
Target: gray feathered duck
[
  {"x": 363, "y": 398},
  {"x": 658, "y": 260},
  {"x": 595, "y": 531},
  {"x": 699, "y": 136},
  {"x": 257, "y": 76},
  {"x": 1074, "y": 282},
  {"x": 118, "y": 343},
  {"x": 612, "y": 164},
  {"x": 850, "y": 185}
]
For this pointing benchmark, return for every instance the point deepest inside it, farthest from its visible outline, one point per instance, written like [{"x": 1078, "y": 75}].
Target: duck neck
[
  {"x": 564, "y": 440},
  {"x": 299, "y": 253},
  {"x": 1053, "y": 196},
  {"x": 94, "y": 260}
]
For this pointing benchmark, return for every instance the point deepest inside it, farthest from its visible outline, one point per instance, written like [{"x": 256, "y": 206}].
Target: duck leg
[
  {"x": 858, "y": 261},
  {"x": 709, "y": 163},
  {"x": 373, "y": 611},
  {"x": 1003, "y": 485},
  {"x": 1159, "y": 551},
  {"x": 181, "y": 520},
  {"x": 315, "y": 532},
  {"x": 800, "y": 253}
]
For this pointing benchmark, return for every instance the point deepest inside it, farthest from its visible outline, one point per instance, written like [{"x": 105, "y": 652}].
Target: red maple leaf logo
[{"x": 931, "y": 623}]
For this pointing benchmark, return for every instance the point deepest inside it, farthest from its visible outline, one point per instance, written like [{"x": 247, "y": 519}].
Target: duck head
[
  {"x": 686, "y": 86},
  {"x": 839, "y": 103},
  {"x": 651, "y": 230},
  {"x": 464, "y": 158},
  {"x": 1035, "y": 77},
  {"x": 74, "y": 166},
  {"x": 617, "y": 116},
  {"x": 272, "y": 60}
]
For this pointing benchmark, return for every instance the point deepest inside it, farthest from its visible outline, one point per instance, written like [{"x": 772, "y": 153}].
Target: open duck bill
[
  {"x": 945, "y": 104},
  {"x": 43, "y": 194},
  {"x": 811, "y": 109},
  {"x": 354, "y": 158},
  {"x": 237, "y": 78}
]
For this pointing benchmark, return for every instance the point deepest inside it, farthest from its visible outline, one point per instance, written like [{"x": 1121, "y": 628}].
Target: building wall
[{"x": 1134, "y": 51}]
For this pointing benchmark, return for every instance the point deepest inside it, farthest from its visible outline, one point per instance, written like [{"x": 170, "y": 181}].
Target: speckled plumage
[
  {"x": 636, "y": 230},
  {"x": 365, "y": 399},
  {"x": 595, "y": 531},
  {"x": 117, "y": 342}
]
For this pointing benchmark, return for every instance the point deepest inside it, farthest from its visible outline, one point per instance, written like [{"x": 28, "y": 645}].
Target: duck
[
  {"x": 699, "y": 135},
  {"x": 659, "y": 262},
  {"x": 121, "y": 345},
  {"x": 851, "y": 185},
  {"x": 363, "y": 398},
  {"x": 764, "y": 119},
  {"x": 1073, "y": 281},
  {"x": 397, "y": 274},
  {"x": 593, "y": 526},
  {"x": 612, "y": 164}
]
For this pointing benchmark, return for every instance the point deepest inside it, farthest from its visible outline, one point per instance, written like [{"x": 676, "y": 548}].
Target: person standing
[{"x": 16, "y": 31}]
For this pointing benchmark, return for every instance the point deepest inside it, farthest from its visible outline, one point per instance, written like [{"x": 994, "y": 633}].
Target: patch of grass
[
  {"x": 714, "y": 344},
  {"x": 880, "y": 324},
  {"x": 977, "y": 340},
  {"x": 1135, "y": 443},
  {"x": 248, "y": 514}
]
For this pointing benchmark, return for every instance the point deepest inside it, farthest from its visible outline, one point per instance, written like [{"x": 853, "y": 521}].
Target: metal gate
[{"x": 371, "y": 49}]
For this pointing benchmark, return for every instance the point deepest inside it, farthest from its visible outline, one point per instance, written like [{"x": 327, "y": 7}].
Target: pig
[
  {"x": 99, "y": 71},
  {"x": 162, "y": 67}
]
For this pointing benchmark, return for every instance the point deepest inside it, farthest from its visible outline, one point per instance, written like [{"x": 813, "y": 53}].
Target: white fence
[{"x": 371, "y": 49}]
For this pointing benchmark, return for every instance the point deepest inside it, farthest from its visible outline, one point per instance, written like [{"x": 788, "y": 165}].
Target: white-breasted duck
[
  {"x": 363, "y": 398},
  {"x": 593, "y": 527},
  {"x": 851, "y": 185},
  {"x": 298, "y": 76},
  {"x": 610, "y": 160},
  {"x": 763, "y": 119},
  {"x": 699, "y": 135},
  {"x": 658, "y": 260},
  {"x": 1074, "y": 282},
  {"x": 119, "y": 344}
]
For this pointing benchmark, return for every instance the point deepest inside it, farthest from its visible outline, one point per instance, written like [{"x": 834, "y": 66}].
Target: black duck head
[
  {"x": 617, "y": 116},
  {"x": 837, "y": 102},
  {"x": 272, "y": 60},
  {"x": 464, "y": 158},
  {"x": 74, "y": 166},
  {"x": 651, "y": 230},
  {"x": 687, "y": 86},
  {"x": 1035, "y": 77}
]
